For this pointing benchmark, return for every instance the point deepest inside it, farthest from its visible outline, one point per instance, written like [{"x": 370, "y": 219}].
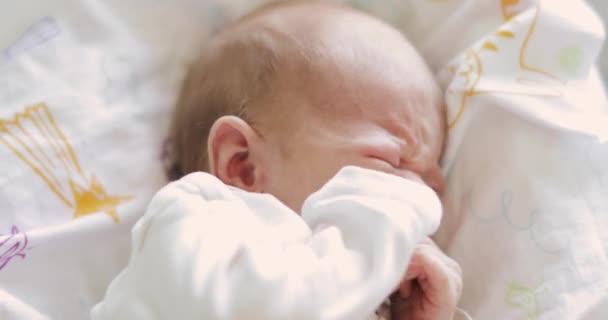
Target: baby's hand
[{"x": 431, "y": 288}]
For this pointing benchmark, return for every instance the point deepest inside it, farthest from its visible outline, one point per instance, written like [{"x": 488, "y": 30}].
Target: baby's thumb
[
  {"x": 405, "y": 289},
  {"x": 413, "y": 271}
]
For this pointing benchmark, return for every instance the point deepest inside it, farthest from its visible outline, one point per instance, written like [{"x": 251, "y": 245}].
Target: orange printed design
[
  {"x": 34, "y": 137},
  {"x": 468, "y": 75},
  {"x": 470, "y": 71},
  {"x": 524, "y": 48},
  {"x": 511, "y": 8},
  {"x": 515, "y": 7}
]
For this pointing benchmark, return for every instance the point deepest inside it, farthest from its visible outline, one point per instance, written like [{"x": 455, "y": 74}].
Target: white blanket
[
  {"x": 526, "y": 161},
  {"x": 103, "y": 75}
]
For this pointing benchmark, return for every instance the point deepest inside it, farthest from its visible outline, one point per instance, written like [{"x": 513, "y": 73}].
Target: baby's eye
[
  {"x": 378, "y": 165},
  {"x": 389, "y": 158}
]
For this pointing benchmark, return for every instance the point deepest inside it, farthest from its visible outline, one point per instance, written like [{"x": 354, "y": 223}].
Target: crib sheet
[
  {"x": 86, "y": 88},
  {"x": 526, "y": 160}
]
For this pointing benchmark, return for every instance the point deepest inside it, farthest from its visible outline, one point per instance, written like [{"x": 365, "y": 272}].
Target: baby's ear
[{"x": 229, "y": 152}]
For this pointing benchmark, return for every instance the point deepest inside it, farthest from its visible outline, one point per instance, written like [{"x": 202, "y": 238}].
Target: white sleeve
[{"x": 202, "y": 251}]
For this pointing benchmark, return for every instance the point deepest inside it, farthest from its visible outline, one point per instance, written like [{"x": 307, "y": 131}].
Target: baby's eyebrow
[{"x": 415, "y": 141}]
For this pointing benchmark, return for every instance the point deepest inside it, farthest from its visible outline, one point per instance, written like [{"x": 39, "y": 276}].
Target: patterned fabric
[
  {"x": 526, "y": 206},
  {"x": 86, "y": 88}
]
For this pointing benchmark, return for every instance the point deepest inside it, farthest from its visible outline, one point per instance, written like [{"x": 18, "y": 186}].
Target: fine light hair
[
  {"x": 256, "y": 71},
  {"x": 239, "y": 73}
]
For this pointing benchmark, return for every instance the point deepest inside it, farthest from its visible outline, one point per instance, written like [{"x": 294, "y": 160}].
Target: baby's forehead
[
  {"x": 319, "y": 37},
  {"x": 367, "y": 83},
  {"x": 337, "y": 61}
]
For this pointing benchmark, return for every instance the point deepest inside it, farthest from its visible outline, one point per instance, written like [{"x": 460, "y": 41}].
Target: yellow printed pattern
[
  {"x": 34, "y": 137},
  {"x": 510, "y": 8},
  {"x": 469, "y": 71}
]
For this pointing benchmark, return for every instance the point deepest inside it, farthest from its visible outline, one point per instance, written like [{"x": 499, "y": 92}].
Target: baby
[{"x": 321, "y": 130}]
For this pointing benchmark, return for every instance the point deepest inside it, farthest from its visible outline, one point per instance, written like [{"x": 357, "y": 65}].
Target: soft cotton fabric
[
  {"x": 526, "y": 160},
  {"x": 205, "y": 250},
  {"x": 108, "y": 72}
]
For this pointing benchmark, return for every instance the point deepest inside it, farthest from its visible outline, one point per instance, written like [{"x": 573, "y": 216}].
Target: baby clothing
[{"x": 205, "y": 250}]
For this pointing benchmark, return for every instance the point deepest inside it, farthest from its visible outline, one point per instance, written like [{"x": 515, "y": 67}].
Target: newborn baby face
[
  {"x": 338, "y": 88},
  {"x": 369, "y": 100}
]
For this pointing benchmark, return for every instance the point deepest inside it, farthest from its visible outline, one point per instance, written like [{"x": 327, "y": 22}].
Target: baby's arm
[{"x": 202, "y": 252}]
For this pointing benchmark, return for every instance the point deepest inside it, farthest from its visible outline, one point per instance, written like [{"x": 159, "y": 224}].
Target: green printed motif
[
  {"x": 523, "y": 298},
  {"x": 571, "y": 59}
]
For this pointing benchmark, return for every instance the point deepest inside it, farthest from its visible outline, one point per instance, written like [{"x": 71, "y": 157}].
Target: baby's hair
[
  {"x": 234, "y": 76},
  {"x": 250, "y": 70}
]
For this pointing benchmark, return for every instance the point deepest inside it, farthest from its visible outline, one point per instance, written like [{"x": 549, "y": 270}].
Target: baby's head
[{"x": 291, "y": 93}]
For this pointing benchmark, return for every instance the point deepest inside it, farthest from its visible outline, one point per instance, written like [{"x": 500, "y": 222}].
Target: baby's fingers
[
  {"x": 405, "y": 289},
  {"x": 448, "y": 262},
  {"x": 440, "y": 277}
]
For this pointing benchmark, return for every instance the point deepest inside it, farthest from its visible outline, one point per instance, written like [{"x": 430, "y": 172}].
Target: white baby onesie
[{"x": 205, "y": 250}]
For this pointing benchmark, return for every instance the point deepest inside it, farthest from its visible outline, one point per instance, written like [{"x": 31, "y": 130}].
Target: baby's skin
[{"x": 337, "y": 88}]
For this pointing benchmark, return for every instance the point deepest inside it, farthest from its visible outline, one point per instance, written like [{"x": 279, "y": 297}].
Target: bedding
[
  {"x": 86, "y": 88},
  {"x": 79, "y": 162},
  {"x": 526, "y": 163}
]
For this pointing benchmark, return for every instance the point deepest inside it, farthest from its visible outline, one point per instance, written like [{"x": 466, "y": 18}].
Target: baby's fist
[{"x": 431, "y": 288}]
